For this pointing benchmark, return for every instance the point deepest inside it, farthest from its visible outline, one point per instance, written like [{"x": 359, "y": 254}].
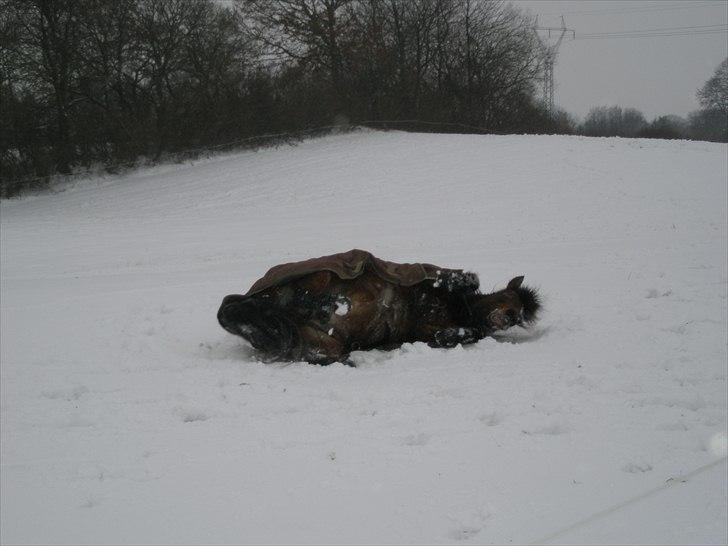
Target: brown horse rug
[{"x": 350, "y": 265}]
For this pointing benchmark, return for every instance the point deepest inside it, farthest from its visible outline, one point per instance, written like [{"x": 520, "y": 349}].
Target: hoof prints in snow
[
  {"x": 90, "y": 503},
  {"x": 490, "y": 419},
  {"x": 469, "y": 524},
  {"x": 464, "y": 533},
  {"x": 420, "y": 439},
  {"x": 193, "y": 417},
  {"x": 637, "y": 468},
  {"x": 653, "y": 293},
  {"x": 554, "y": 429},
  {"x": 65, "y": 394}
]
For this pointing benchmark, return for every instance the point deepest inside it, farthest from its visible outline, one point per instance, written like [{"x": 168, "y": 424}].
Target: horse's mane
[{"x": 531, "y": 300}]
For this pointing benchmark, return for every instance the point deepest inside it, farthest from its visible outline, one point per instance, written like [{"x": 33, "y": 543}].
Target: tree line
[
  {"x": 710, "y": 122},
  {"x": 86, "y": 82},
  {"x": 109, "y": 82}
]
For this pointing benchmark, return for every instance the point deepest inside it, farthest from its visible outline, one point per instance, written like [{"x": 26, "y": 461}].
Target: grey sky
[{"x": 657, "y": 75}]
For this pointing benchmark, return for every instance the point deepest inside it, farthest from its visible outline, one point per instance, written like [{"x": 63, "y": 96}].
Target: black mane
[{"x": 531, "y": 301}]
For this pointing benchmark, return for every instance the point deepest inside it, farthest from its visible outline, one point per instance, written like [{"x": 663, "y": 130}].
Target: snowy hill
[{"x": 130, "y": 416}]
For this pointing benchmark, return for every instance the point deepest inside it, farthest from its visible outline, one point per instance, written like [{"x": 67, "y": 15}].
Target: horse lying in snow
[{"x": 320, "y": 310}]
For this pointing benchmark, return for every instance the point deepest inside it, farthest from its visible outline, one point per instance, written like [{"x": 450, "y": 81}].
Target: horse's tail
[{"x": 264, "y": 326}]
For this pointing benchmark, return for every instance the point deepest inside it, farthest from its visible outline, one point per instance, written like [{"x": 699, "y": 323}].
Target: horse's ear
[{"x": 515, "y": 283}]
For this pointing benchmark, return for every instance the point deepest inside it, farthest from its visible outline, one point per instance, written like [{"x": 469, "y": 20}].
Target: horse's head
[{"x": 515, "y": 305}]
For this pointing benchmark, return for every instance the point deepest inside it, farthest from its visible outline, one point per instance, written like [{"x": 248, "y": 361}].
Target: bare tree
[
  {"x": 711, "y": 121},
  {"x": 46, "y": 47},
  {"x": 714, "y": 94},
  {"x": 310, "y": 33},
  {"x": 110, "y": 81},
  {"x": 613, "y": 121}
]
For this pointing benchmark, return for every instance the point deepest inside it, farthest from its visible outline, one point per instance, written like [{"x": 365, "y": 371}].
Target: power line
[
  {"x": 654, "y": 34},
  {"x": 641, "y": 9},
  {"x": 644, "y": 30}
]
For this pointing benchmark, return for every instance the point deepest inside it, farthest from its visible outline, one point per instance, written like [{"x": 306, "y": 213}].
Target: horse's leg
[
  {"x": 266, "y": 328},
  {"x": 450, "y": 337},
  {"x": 457, "y": 282},
  {"x": 318, "y": 347}
]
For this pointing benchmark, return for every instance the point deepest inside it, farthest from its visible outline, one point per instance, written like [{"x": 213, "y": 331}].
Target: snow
[
  {"x": 129, "y": 416},
  {"x": 718, "y": 444},
  {"x": 342, "y": 308}
]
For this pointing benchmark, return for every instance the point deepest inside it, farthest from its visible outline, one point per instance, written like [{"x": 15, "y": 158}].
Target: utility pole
[{"x": 549, "y": 51}]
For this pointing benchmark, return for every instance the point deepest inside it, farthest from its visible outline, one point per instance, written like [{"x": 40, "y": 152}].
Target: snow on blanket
[{"x": 130, "y": 416}]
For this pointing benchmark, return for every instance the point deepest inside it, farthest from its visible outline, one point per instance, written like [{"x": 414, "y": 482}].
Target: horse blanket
[{"x": 350, "y": 265}]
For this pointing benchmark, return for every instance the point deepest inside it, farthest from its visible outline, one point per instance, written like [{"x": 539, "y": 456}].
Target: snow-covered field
[{"x": 130, "y": 416}]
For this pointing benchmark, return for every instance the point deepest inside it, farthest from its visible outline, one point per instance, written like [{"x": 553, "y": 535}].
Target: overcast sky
[{"x": 657, "y": 75}]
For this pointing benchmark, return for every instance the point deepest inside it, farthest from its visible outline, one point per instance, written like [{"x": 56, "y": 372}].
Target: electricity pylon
[{"x": 549, "y": 51}]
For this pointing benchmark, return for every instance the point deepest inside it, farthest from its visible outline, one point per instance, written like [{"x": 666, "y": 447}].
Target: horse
[{"x": 301, "y": 311}]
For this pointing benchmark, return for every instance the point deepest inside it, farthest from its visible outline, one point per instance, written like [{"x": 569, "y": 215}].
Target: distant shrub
[{"x": 666, "y": 127}]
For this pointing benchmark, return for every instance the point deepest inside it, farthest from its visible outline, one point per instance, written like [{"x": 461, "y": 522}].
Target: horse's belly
[{"x": 368, "y": 317}]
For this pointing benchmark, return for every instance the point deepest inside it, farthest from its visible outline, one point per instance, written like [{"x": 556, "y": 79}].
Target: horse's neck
[
  {"x": 473, "y": 309},
  {"x": 479, "y": 305}
]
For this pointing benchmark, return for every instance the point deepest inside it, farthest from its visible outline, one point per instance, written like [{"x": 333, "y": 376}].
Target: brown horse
[{"x": 320, "y": 317}]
